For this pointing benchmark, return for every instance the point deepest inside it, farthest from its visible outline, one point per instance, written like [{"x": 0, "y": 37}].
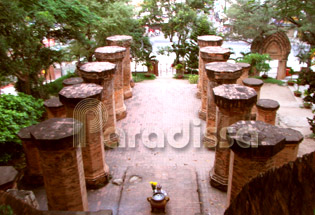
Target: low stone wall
[{"x": 288, "y": 190}]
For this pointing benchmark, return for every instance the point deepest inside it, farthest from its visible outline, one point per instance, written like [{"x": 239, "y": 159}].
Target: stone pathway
[{"x": 165, "y": 107}]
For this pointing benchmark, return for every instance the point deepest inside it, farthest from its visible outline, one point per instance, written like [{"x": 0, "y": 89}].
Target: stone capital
[
  {"x": 119, "y": 40},
  {"x": 214, "y": 54},
  {"x": 217, "y": 71},
  {"x": 72, "y": 81},
  {"x": 110, "y": 53},
  {"x": 267, "y": 104},
  {"x": 209, "y": 40},
  {"x": 97, "y": 72}
]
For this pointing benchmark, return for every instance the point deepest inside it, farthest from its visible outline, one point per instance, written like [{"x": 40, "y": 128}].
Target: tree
[
  {"x": 258, "y": 19},
  {"x": 24, "y": 26},
  {"x": 175, "y": 19}
]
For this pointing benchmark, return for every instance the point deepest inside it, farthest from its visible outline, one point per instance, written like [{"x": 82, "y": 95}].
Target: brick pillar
[
  {"x": 203, "y": 41},
  {"x": 115, "y": 54},
  {"x": 61, "y": 164},
  {"x": 210, "y": 54},
  {"x": 34, "y": 173},
  {"x": 72, "y": 81},
  {"x": 124, "y": 41},
  {"x": 102, "y": 73},
  {"x": 245, "y": 71},
  {"x": 218, "y": 73},
  {"x": 256, "y": 84},
  {"x": 254, "y": 147},
  {"x": 293, "y": 138},
  {"x": 54, "y": 108},
  {"x": 234, "y": 103},
  {"x": 95, "y": 169},
  {"x": 267, "y": 110}
]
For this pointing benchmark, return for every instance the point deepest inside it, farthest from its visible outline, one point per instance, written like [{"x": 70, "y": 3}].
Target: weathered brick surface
[
  {"x": 54, "y": 108},
  {"x": 256, "y": 84},
  {"x": 124, "y": 41},
  {"x": 245, "y": 71},
  {"x": 267, "y": 110}
]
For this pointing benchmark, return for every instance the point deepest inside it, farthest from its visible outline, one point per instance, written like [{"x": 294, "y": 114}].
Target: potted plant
[
  {"x": 258, "y": 63},
  {"x": 307, "y": 105},
  {"x": 179, "y": 71},
  {"x": 291, "y": 82},
  {"x": 297, "y": 92}
]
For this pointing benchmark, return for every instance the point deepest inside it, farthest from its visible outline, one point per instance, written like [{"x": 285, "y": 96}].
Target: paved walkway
[{"x": 168, "y": 106}]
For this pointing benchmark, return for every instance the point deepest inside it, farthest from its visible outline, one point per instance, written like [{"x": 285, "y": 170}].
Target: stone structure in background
[
  {"x": 293, "y": 138},
  {"x": 72, "y": 81},
  {"x": 217, "y": 73},
  {"x": 33, "y": 173},
  {"x": 267, "y": 110},
  {"x": 124, "y": 41},
  {"x": 286, "y": 190},
  {"x": 203, "y": 41},
  {"x": 245, "y": 72},
  {"x": 234, "y": 103},
  {"x": 254, "y": 147},
  {"x": 102, "y": 73},
  {"x": 61, "y": 163},
  {"x": 256, "y": 84},
  {"x": 115, "y": 54},
  {"x": 8, "y": 177},
  {"x": 210, "y": 54},
  {"x": 278, "y": 46},
  {"x": 54, "y": 108},
  {"x": 84, "y": 102}
]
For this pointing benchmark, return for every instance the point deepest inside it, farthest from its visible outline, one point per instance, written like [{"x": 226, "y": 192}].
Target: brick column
[
  {"x": 72, "y": 81},
  {"x": 54, "y": 108},
  {"x": 256, "y": 84},
  {"x": 203, "y": 41},
  {"x": 90, "y": 112},
  {"x": 254, "y": 147},
  {"x": 267, "y": 110},
  {"x": 234, "y": 103},
  {"x": 210, "y": 54},
  {"x": 102, "y": 73},
  {"x": 115, "y": 54},
  {"x": 124, "y": 41},
  {"x": 218, "y": 73},
  {"x": 61, "y": 164},
  {"x": 293, "y": 138},
  {"x": 34, "y": 173},
  {"x": 245, "y": 71}
]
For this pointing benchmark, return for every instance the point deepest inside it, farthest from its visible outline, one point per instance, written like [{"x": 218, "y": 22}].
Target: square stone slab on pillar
[
  {"x": 72, "y": 81},
  {"x": 217, "y": 73},
  {"x": 54, "y": 108},
  {"x": 84, "y": 103},
  {"x": 203, "y": 41},
  {"x": 34, "y": 175},
  {"x": 102, "y": 73},
  {"x": 210, "y": 54},
  {"x": 254, "y": 146},
  {"x": 245, "y": 71},
  {"x": 256, "y": 84},
  {"x": 267, "y": 110},
  {"x": 115, "y": 54},
  {"x": 234, "y": 103},
  {"x": 124, "y": 41},
  {"x": 61, "y": 164}
]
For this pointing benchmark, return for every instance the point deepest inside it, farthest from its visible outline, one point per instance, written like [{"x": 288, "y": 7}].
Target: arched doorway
[{"x": 278, "y": 47}]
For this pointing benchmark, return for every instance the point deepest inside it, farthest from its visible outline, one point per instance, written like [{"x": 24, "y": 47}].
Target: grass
[
  {"x": 142, "y": 76},
  {"x": 270, "y": 80},
  {"x": 185, "y": 76}
]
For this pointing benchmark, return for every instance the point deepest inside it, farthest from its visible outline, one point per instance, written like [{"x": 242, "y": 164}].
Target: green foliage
[
  {"x": 142, "y": 76},
  {"x": 16, "y": 112},
  {"x": 258, "y": 62},
  {"x": 270, "y": 80},
  {"x": 54, "y": 87},
  {"x": 193, "y": 79},
  {"x": 6, "y": 210}
]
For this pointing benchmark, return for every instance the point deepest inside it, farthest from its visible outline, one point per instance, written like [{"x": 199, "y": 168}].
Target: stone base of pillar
[
  {"x": 121, "y": 113},
  {"x": 127, "y": 94},
  {"x": 202, "y": 114},
  {"x": 198, "y": 95},
  {"x": 98, "y": 181},
  {"x": 209, "y": 142},
  {"x": 218, "y": 182}
]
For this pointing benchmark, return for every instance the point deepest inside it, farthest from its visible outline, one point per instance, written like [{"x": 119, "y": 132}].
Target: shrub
[
  {"x": 54, "y": 87},
  {"x": 16, "y": 112},
  {"x": 193, "y": 79}
]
